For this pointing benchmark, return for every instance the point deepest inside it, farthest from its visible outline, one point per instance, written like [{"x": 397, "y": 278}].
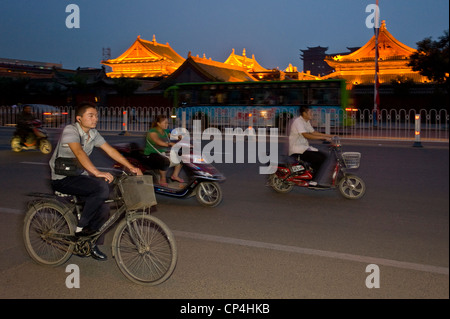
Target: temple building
[
  {"x": 197, "y": 69},
  {"x": 358, "y": 67},
  {"x": 145, "y": 59},
  {"x": 154, "y": 61},
  {"x": 243, "y": 61},
  {"x": 263, "y": 74},
  {"x": 252, "y": 66}
]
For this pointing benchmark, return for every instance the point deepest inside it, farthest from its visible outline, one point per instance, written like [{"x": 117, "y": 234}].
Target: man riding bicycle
[{"x": 78, "y": 140}]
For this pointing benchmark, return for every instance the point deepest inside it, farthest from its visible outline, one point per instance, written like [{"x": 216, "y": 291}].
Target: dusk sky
[{"x": 273, "y": 30}]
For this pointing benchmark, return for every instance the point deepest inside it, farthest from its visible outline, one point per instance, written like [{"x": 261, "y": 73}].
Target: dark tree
[
  {"x": 432, "y": 59},
  {"x": 126, "y": 88}
]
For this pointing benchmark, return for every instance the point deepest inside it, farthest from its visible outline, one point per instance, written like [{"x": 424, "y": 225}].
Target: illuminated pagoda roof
[
  {"x": 359, "y": 66},
  {"x": 145, "y": 59},
  {"x": 291, "y": 71},
  {"x": 196, "y": 69},
  {"x": 250, "y": 65},
  {"x": 257, "y": 71}
]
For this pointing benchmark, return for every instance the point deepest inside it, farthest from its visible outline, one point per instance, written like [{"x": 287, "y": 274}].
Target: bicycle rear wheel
[
  {"x": 43, "y": 222},
  {"x": 145, "y": 250}
]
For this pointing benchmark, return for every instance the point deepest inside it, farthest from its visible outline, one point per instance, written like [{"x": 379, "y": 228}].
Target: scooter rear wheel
[
  {"x": 279, "y": 185},
  {"x": 209, "y": 194}
]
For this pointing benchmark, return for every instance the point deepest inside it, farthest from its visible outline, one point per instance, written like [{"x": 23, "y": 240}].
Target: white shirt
[{"x": 298, "y": 144}]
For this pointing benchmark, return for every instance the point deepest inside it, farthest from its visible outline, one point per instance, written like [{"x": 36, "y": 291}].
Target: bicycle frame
[
  {"x": 75, "y": 208},
  {"x": 143, "y": 247}
]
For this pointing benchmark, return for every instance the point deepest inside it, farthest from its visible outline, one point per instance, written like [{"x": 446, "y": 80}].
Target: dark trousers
[
  {"x": 157, "y": 161},
  {"x": 316, "y": 159},
  {"x": 93, "y": 191},
  {"x": 23, "y": 133}
]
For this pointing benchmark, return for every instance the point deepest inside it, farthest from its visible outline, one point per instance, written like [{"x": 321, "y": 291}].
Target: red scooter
[{"x": 296, "y": 172}]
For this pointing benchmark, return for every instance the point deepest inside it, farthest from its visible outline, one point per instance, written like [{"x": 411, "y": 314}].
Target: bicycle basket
[
  {"x": 351, "y": 159},
  {"x": 138, "y": 192}
]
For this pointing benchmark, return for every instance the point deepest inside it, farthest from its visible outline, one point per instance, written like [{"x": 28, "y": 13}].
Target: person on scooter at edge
[
  {"x": 24, "y": 120},
  {"x": 301, "y": 131},
  {"x": 157, "y": 142},
  {"x": 78, "y": 140}
]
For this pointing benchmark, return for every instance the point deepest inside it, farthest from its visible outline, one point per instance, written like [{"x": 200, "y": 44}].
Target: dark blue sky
[{"x": 273, "y": 31}]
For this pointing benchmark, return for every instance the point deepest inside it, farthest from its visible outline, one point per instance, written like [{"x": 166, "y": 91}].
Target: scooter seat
[
  {"x": 289, "y": 160},
  {"x": 293, "y": 160}
]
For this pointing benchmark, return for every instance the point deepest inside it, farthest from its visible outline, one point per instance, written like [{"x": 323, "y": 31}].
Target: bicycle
[{"x": 143, "y": 246}]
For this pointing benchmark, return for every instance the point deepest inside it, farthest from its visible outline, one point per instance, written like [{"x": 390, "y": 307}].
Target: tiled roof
[
  {"x": 245, "y": 62},
  {"x": 222, "y": 71},
  {"x": 196, "y": 69},
  {"x": 147, "y": 51}
]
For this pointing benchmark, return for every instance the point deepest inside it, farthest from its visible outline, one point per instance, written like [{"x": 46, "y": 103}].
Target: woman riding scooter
[{"x": 156, "y": 144}]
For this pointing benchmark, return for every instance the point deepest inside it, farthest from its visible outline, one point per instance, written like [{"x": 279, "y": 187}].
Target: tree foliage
[
  {"x": 126, "y": 87},
  {"x": 432, "y": 59}
]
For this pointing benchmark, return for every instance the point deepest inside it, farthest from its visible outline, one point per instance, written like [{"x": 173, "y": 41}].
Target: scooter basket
[
  {"x": 138, "y": 192},
  {"x": 351, "y": 159}
]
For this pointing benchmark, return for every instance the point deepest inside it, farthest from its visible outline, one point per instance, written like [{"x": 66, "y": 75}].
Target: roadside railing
[{"x": 401, "y": 124}]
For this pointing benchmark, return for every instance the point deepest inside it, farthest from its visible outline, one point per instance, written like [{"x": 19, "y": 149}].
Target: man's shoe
[
  {"x": 314, "y": 185},
  {"x": 97, "y": 254},
  {"x": 85, "y": 232}
]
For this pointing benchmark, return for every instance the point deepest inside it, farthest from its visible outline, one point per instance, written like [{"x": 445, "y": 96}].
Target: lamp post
[
  {"x": 376, "y": 98},
  {"x": 417, "y": 142}
]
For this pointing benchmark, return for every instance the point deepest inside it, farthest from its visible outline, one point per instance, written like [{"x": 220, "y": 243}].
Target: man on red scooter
[{"x": 301, "y": 131}]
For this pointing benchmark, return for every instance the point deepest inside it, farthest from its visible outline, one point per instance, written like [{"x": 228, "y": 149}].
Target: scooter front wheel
[
  {"x": 352, "y": 187},
  {"x": 209, "y": 194},
  {"x": 45, "y": 147}
]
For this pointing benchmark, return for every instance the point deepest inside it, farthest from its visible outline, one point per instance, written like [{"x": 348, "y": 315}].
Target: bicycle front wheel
[
  {"x": 145, "y": 250},
  {"x": 44, "y": 229}
]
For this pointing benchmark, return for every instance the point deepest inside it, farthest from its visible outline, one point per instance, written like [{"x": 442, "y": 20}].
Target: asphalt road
[{"x": 258, "y": 244}]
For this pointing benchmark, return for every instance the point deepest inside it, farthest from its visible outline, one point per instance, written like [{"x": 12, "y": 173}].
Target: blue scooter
[{"x": 201, "y": 178}]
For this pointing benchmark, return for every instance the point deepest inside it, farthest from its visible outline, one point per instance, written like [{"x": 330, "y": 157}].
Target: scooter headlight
[{"x": 198, "y": 159}]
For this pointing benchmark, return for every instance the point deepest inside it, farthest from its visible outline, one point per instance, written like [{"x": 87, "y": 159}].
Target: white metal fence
[{"x": 402, "y": 124}]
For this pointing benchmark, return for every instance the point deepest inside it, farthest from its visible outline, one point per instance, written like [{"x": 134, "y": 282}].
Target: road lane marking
[
  {"x": 11, "y": 210},
  {"x": 316, "y": 252},
  {"x": 297, "y": 250},
  {"x": 34, "y": 163}
]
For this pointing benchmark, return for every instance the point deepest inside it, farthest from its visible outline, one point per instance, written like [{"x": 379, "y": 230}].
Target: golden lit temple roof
[
  {"x": 307, "y": 76},
  {"x": 291, "y": 68},
  {"x": 223, "y": 71},
  {"x": 359, "y": 66},
  {"x": 147, "y": 51},
  {"x": 196, "y": 69},
  {"x": 250, "y": 65},
  {"x": 145, "y": 59},
  {"x": 388, "y": 48}
]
